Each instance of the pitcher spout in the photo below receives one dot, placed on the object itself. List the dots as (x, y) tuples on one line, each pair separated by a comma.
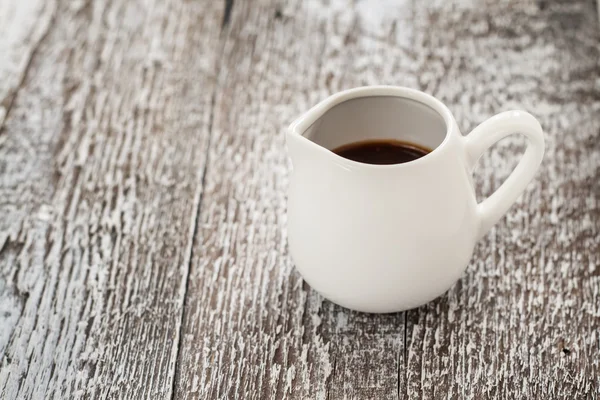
[(300, 137), (299, 147)]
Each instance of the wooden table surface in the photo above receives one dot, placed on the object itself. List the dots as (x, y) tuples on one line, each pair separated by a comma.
[(143, 180)]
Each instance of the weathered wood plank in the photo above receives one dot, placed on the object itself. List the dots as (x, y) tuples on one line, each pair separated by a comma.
[(102, 158), (101, 170), (523, 321), (22, 25)]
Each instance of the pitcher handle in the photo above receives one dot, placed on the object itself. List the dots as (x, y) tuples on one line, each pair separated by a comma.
[(487, 134)]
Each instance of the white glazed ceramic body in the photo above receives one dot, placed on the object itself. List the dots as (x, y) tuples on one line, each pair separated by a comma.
[(385, 238)]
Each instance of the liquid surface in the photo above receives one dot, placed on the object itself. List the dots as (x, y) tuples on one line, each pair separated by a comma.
[(382, 152)]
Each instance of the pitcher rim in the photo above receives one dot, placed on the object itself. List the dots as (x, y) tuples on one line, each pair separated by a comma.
[(302, 123)]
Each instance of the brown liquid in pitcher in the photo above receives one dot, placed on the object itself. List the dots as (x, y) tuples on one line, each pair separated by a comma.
[(382, 152)]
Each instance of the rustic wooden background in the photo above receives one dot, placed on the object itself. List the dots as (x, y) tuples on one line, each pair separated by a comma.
[(142, 200)]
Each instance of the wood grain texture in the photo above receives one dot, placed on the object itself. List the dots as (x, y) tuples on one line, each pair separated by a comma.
[(143, 176), (521, 323), (22, 26), (99, 197)]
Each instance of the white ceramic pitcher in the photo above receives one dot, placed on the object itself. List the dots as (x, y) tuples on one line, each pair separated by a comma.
[(384, 238)]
